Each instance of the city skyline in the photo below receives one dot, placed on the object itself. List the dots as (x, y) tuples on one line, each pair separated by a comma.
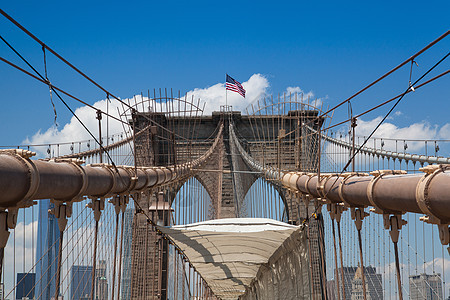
[(425, 287), (81, 281)]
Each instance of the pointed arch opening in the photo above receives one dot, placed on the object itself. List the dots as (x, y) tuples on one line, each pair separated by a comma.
[(192, 203), (263, 200)]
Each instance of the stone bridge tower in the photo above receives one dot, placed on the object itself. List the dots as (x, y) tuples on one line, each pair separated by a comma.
[(225, 176)]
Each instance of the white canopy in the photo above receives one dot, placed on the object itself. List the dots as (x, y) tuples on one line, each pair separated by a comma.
[(229, 252)]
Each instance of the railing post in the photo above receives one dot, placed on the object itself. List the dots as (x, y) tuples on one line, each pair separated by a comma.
[(99, 118), (353, 143)]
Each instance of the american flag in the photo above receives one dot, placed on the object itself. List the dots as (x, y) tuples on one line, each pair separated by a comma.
[(235, 86)]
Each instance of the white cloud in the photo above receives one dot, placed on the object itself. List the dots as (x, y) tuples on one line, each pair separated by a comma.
[(257, 86), (216, 95), (74, 131), (422, 130), (444, 132), (305, 97), (300, 93)]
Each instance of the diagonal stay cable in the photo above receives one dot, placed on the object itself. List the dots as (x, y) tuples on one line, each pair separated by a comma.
[(410, 59), (59, 89), (62, 100), (44, 46), (389, 100), (410, 87), (58, 56), (391, 71), (387, 115)]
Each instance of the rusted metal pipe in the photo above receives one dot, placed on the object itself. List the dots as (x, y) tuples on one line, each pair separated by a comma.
[(387, 191), (23, 179)]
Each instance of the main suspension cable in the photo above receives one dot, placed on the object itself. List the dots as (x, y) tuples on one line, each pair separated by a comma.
[(60, 98), (390, 111), (59, 56), (389, 72)]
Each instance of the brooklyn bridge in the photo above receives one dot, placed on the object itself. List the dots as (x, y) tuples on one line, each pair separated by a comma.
[(274, 202)]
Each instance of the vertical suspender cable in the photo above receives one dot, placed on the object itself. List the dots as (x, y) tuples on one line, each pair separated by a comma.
[(397, 267), (58, 270), (341, 259), (120, 257), (336, 272), (362, 264), (322, 257), (175, 273), (115, 255), (94, 261)]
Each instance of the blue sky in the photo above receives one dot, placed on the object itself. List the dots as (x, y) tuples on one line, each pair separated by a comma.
[(330, 48)]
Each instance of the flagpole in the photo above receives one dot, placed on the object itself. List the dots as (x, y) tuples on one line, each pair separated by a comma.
[(226, 93)]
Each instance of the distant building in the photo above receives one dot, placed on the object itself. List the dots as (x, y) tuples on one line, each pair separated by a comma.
[(2, 291), (46, 251), (101, 283), (81, 282), (358, 287), (373, 282), (126, 258), (425, 287), (331, 289), (25, 286)]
